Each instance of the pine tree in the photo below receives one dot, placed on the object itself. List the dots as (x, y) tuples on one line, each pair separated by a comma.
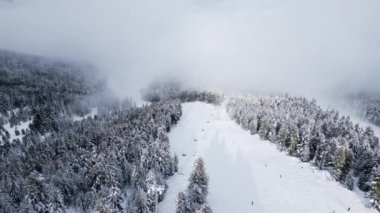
[(36, 198), (342, 164), (112, 197), (264, 128), (294, 140), (140, 202), (284, 136), (253, 126), (375, 192), (304, 149), (56, 202), (198, 186), (194, 198), (182, 203), (204, 209)]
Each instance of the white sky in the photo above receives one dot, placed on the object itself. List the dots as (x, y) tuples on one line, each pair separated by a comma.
[(301, 46)]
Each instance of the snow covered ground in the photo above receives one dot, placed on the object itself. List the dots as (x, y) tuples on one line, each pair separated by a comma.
[(21, 126), (242, 169)]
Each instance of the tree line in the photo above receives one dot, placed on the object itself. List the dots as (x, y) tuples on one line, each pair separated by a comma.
[(172, 90), (103, 164), (323, 137)]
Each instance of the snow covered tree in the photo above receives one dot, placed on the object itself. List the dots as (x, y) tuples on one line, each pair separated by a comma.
[(56, 201), (194, 198), (342, 164), (140, 202), (264, 127), (284, 136), (204, 209), (253, 126), (323, 137), (36, 199), (111, 196), (84, 163), (293, 140), (375, 192), (304, 148), (161, 90), (198, 187), (182, 203)]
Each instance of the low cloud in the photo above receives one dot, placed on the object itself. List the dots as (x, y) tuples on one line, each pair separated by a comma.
[(296, 46)]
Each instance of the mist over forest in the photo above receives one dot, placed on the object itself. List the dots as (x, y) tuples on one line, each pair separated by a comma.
[(301, 47), (189, 106)]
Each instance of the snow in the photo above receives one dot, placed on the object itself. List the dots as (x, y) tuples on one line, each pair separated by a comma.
[(156, 189), (242, 168), (94, 111), (11, 130)]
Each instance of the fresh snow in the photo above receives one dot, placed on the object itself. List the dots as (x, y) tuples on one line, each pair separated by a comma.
[(242, 168), (21, 126)]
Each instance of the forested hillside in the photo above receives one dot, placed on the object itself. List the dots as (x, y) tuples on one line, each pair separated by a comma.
[(325, 138), (366, 106), (68, 145), (42, 91), (116, 160)]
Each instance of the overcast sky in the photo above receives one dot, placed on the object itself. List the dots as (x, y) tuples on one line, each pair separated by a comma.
[(297, 46)]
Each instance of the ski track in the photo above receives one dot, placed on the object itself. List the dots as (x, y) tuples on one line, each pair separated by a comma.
[(242, 168)]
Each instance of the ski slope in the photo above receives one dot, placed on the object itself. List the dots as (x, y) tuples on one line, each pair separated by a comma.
[(242, 169)]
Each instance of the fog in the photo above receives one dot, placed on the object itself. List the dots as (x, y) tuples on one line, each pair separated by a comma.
[(297, 46)]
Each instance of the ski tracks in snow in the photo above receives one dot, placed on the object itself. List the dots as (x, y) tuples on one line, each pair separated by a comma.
[(244, 169)]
